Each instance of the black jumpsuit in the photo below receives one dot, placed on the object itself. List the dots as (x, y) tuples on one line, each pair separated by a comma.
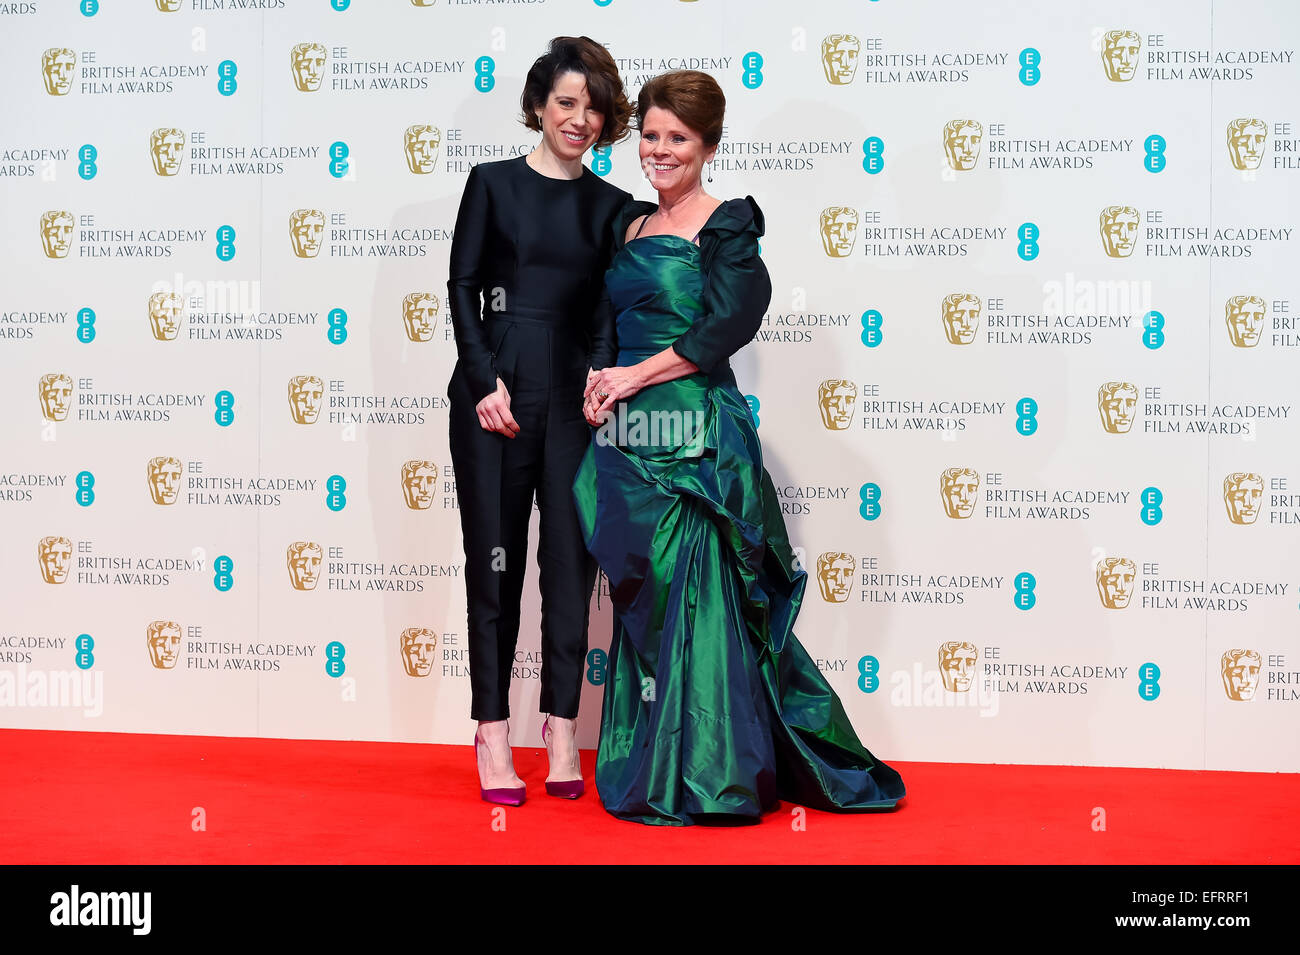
[(535, 249)]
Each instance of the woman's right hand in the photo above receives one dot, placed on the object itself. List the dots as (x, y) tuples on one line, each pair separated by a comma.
[(494, 412)]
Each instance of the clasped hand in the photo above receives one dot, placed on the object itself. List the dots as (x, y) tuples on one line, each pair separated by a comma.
[(604, 388)]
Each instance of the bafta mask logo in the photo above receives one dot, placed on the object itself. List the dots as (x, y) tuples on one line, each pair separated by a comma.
[(303, 559), (168, 6), (961, 317), (1240, 671), (164, 479), (839, 230), (1242, 492), (1246, 142), (835, 400), (1115, 577), (56, 233), (56, 396), (1245, 317), (1119, 229), (420, 313), (418, 644), (840, 58), (308, 62), (959, 489), (957, 664), (57, 67), (422, 144), (164, 637), (166, 309), (961, 143), (423, 3), (167, 147), (306, 226), (1119, 55), (305, 395), (55, 557), (419, 482), (835, 576), (1117, 405)]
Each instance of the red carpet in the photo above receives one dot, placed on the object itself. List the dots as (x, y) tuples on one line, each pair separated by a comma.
[(109, 798)]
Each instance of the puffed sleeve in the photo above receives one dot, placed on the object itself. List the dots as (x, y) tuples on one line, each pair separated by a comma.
[(737, 291), (465, 286)]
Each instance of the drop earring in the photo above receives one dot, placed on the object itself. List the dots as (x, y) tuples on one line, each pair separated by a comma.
[(710, 172)]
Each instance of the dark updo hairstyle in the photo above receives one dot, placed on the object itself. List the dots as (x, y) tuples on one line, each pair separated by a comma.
[(693, 97), (579, 54)]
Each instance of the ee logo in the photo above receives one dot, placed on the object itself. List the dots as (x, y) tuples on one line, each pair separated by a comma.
[(85, 657), (873, 154), (597, 667), (868, 674), (86, 157), (601, 164), (1153, 329), (224, 578), (334, 664), (1024, 598), (869, 494), (1155, 153), (85, 488), (1151, 501), (335, 499), (1148, 681), (86, 325), (752, 64), (1026, 416), (1028, 235), (226, 82), (484, 66), (754, 403), (872, 322), (338, 159), (226, 243), (1030, 74), (337, 333), (225, 402)]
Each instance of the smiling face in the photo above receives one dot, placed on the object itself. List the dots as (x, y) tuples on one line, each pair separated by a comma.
[(570, 123), (672, 154)]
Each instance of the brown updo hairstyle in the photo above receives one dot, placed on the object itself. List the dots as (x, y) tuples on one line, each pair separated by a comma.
[(579, 54), (693, 97)]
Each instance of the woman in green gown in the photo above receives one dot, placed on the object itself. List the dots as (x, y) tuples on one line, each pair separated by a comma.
[(713, 711)]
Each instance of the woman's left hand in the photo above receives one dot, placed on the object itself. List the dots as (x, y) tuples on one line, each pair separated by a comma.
[(607, 386)]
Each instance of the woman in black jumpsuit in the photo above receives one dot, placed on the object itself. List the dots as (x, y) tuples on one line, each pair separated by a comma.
[(531, 245)]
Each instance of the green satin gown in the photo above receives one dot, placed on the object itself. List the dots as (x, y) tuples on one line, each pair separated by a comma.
[(713, 711)]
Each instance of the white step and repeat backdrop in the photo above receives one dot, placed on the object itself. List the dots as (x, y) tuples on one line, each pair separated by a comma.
[(1027, 386)]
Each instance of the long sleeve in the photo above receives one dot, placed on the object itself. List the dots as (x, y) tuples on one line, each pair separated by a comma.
[(604, 329), (604, 341), (736, 295), (465, 286)]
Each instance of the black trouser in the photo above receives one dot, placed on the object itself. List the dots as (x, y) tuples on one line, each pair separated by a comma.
[(496, 477)]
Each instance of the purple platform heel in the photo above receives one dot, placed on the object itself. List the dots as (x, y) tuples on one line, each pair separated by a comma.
[(568, 789), (504, 797)]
